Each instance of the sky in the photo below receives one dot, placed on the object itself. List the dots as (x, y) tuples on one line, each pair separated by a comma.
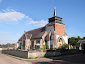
[(17, 16)]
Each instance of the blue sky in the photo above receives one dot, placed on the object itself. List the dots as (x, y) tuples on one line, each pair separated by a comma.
[(19, 15)]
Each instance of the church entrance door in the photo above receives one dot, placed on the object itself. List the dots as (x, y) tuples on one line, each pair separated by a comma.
[(60, 42)]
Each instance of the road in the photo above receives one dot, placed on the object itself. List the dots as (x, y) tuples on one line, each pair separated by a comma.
[(71, 59), (6, 59)]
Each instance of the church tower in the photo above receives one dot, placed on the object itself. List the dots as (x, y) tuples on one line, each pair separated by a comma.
[(55, 19), (57, 28)]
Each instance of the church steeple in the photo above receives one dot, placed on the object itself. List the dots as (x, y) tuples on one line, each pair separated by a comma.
[(54, 11), (55, 19)]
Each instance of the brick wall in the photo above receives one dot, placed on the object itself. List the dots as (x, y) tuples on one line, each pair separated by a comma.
[(59, 29)]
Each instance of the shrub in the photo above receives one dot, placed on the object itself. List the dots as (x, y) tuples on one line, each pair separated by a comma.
[(44, 48), (0, 51), (64, 46)]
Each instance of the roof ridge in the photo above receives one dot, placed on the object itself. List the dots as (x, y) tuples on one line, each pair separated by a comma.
[(35, 29), (80, 40)]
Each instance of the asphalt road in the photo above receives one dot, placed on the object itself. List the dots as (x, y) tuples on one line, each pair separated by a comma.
[(72, 59), (5, 59)]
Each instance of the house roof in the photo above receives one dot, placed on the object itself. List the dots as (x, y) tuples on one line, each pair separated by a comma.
[(81, 41), (7, 45), (36, 33)]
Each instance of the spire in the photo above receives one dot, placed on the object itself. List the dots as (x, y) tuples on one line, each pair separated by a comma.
[(55, 11)]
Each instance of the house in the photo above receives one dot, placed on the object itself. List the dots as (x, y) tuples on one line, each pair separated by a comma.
[(0, 48), (7, 46), (80, 45), (51, 35)]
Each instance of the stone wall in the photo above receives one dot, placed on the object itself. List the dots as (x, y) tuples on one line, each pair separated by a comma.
[(35, 53), (18, 53)]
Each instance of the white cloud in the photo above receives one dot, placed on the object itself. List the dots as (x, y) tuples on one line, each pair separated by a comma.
[(10, 15), (30, 21), (42, 23), (37, 23), (3, 32)]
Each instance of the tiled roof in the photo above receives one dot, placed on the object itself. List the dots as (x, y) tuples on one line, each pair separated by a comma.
[(36, 33)]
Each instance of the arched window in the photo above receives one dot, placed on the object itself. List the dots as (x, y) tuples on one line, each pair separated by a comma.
[(60, 40)]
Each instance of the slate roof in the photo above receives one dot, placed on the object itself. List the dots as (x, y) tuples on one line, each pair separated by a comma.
[(81, 41), (36, 33)]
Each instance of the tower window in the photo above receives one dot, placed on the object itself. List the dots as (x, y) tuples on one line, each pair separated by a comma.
[(60, 40)]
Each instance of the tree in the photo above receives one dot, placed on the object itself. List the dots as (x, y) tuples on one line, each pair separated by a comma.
[(79, 38), (73, 40), (83, 38), (64, 46)]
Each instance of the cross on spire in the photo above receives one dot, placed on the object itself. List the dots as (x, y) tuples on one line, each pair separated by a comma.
[(55, 11)]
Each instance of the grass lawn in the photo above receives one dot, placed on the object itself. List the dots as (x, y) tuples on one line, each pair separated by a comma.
[(0, 51)]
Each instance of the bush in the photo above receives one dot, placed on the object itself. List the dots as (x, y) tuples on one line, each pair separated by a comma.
[(64, 46), (0, 51), (44, 48)]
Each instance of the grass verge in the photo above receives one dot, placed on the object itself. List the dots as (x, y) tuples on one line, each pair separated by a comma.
[(36, 57), (0, 51)]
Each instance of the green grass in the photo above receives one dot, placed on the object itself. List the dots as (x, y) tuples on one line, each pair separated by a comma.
[(36, 57), (0, 51), (30, 58), (44, 48)]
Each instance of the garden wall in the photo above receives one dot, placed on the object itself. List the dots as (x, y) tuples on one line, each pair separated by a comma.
[(18, 53), (33, 54)]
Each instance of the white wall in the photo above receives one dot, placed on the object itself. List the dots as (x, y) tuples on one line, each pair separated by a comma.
[(0, 49), (18, 44), (65, 38)]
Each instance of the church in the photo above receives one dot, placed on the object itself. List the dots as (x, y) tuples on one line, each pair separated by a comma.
[(51, 36)]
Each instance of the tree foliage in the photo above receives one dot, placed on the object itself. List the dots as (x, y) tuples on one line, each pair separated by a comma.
[(74, 40), (64, 46)]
